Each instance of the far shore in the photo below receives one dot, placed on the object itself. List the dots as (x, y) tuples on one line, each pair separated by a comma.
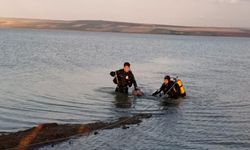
[(122, 27)]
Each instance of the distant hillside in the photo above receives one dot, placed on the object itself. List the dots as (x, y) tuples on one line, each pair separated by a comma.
[(123, 27)]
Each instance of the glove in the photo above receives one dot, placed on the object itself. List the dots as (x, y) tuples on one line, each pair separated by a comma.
[(112, 73), (154, 94)]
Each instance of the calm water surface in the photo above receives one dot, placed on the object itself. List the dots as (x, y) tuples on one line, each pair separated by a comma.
[(63, 76)]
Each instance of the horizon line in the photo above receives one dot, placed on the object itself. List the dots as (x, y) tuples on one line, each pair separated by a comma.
[(156, 24)]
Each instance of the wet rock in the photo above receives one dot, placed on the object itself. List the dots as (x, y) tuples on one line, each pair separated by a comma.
[(52, 133), (125, 127)]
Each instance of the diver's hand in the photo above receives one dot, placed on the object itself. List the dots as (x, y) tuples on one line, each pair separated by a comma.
[(137, 92), (155, 93), (136, 88), (112, 73)]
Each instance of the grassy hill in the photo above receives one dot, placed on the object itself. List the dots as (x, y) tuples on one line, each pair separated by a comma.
[(123, 27)]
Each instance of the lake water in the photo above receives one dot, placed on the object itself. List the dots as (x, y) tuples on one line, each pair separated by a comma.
[(63, 76)]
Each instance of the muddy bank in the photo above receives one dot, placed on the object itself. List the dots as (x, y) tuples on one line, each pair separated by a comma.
[(45, 134)]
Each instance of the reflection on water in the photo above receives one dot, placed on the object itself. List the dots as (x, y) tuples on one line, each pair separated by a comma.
[(123, 100), (168, 102), (63, 77)]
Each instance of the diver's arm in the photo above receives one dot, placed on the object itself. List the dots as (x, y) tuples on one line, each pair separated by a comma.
[(156, 92), (115, 74), (135, 85), (134, 81), (159, 91)]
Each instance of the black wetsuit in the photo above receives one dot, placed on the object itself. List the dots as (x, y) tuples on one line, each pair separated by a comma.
[(125, 80), (172, 89)]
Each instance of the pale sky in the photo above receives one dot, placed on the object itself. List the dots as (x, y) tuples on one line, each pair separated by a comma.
[(229, 13)]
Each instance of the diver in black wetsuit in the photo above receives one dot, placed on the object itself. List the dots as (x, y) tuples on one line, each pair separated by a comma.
[(169, 87), (124, 78)]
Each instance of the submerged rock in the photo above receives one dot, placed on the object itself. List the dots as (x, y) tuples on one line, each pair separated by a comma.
[(52, 133)]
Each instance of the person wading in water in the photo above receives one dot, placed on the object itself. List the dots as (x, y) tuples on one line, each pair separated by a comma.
[(124, 78), (174, 89)]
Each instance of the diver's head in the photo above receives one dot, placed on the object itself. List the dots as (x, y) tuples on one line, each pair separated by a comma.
[(166, 79), (126, 67)]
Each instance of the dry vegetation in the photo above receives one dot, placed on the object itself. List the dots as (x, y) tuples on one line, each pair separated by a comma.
[(123, 27)]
